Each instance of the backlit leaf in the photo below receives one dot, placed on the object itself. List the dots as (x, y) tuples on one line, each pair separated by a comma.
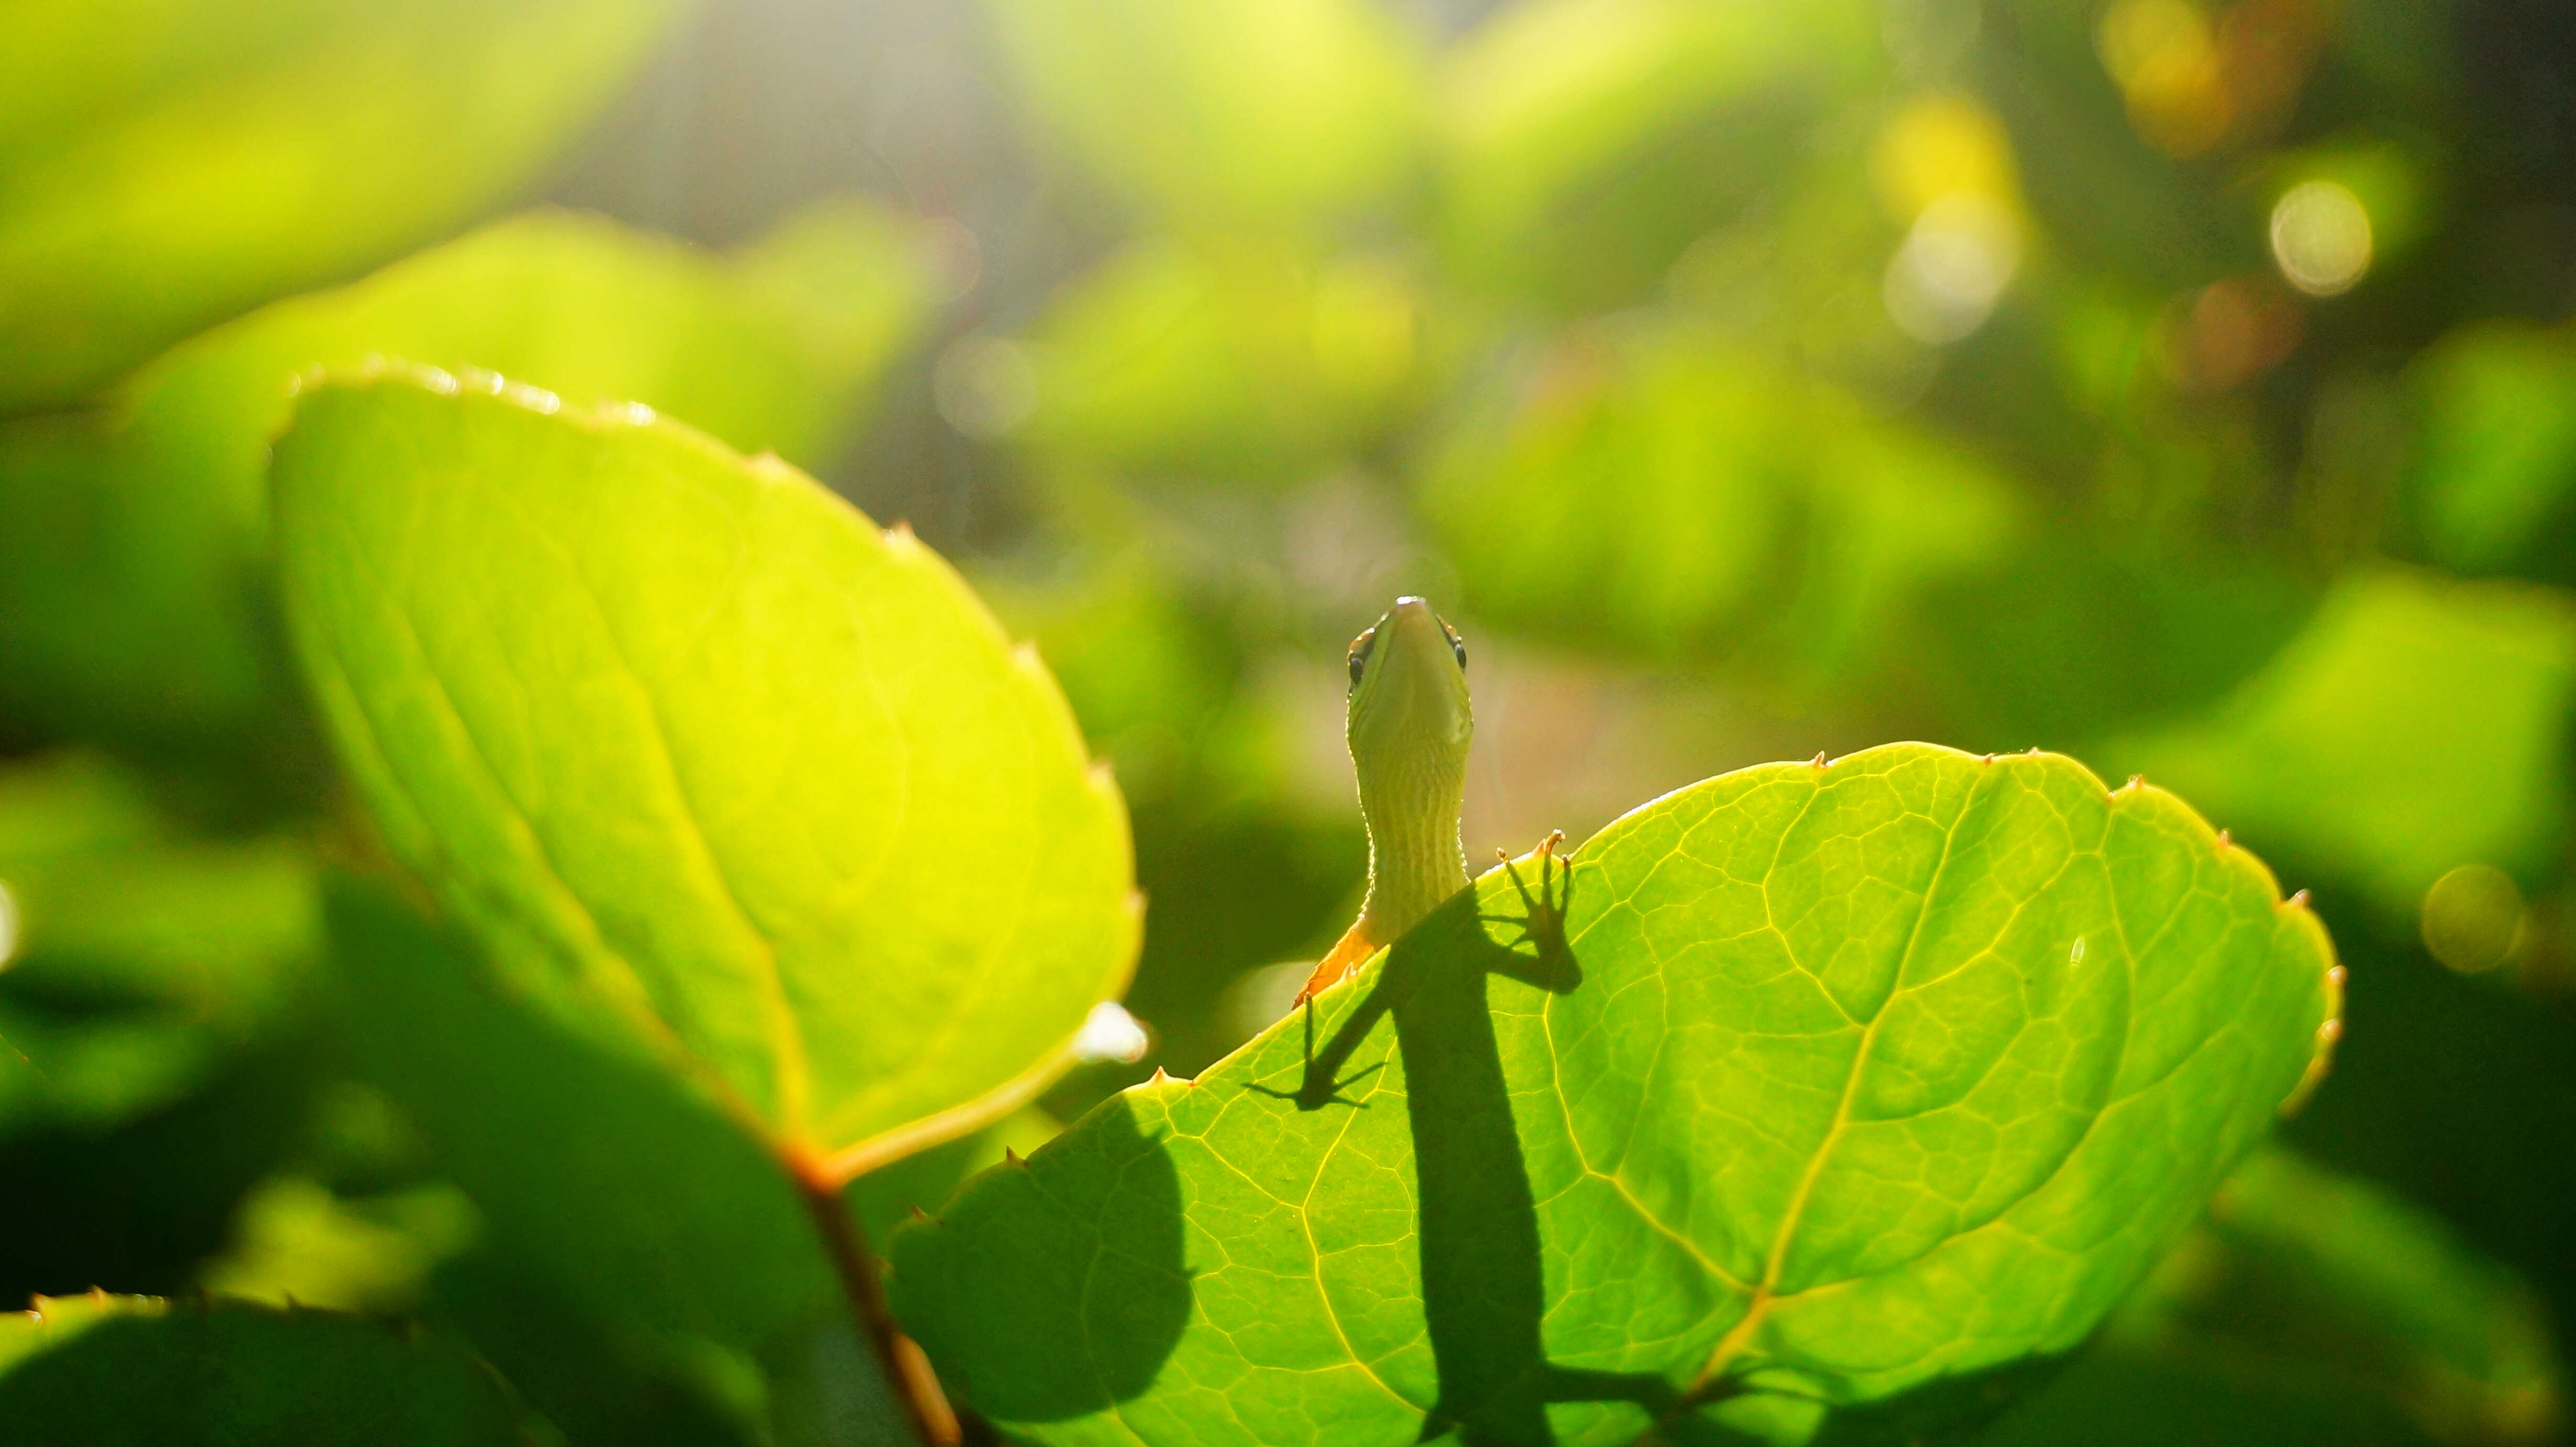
[(1847, 1085), (684, 739)]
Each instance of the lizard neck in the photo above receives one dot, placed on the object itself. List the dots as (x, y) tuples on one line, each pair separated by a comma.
[(1410, 804)]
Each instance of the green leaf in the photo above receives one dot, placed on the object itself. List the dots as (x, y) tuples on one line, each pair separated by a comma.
[(50, 1321), (1845, 1083), (1584, 143), (119, 1370), (169, 163), (694, 749), (2415, 724), (132, 558), (1223, 113)]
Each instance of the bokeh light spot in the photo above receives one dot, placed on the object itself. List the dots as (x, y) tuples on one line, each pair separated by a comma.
[(984, 386), (2169, 67), (1944, 281), (2321, 238), (2473, 918)]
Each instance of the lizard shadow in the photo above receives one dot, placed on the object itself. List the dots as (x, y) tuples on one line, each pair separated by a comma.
[(1483, 1286)]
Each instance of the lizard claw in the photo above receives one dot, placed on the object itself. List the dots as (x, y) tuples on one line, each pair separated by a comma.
[(1543, 913)]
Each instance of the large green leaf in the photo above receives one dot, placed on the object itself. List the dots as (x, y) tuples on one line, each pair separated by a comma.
[(686, 740), (132, 581), (170, 161), (129, 1370), (1846, 1081)]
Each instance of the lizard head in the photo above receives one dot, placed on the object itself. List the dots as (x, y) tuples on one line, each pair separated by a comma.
[(1409, 691)]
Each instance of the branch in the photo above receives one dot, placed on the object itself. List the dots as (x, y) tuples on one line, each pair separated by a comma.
[(907, 1372)]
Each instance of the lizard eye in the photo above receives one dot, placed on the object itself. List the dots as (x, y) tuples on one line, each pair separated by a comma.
[(1457, 645), (1360, 647)]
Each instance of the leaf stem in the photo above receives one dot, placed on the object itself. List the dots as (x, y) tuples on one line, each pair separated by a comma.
[(907, 1372)]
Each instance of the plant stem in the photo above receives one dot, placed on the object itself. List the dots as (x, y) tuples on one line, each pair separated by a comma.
[(907, 1372)]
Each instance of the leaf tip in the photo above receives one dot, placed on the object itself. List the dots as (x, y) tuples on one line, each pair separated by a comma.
[(2226, 841), (919, 1215), (1161, 1077), (1011, 1157), (1819, 760), (900, 535), (2295, 901)]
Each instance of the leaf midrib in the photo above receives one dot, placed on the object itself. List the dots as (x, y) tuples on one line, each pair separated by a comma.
[(1766, 1292)]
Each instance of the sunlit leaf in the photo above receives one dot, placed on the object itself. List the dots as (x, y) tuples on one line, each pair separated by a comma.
[(1221, 112), (1583, 143), (136, 1370), (169, 163), (1849, 1083), (2414, 724), (687, 741), (132, 583)]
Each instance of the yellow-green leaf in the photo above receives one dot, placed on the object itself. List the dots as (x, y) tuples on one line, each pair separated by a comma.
[(685, 739)]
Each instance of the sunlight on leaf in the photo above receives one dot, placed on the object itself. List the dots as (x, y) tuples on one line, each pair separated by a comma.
[(693, 747), (1850, 1084)]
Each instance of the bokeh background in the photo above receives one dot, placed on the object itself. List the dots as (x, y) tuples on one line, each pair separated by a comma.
[(2188, 387)]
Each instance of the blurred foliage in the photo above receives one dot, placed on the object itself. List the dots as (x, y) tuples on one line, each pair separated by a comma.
[(240, 1374), (2182, 384), (173, 161), (154, 501)]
